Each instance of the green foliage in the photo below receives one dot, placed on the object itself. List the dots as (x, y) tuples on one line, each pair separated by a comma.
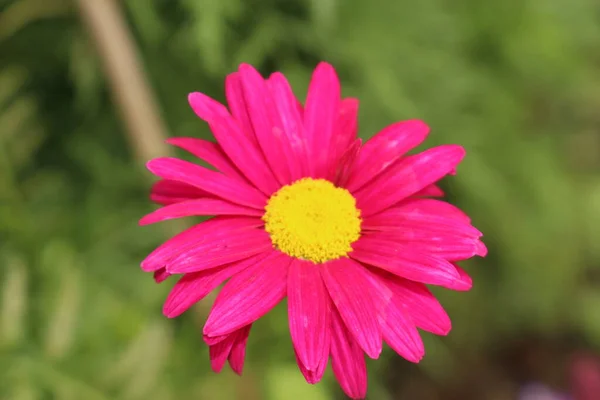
[(515, 82)]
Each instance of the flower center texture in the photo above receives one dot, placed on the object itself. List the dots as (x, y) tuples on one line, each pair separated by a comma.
[(313, 220)]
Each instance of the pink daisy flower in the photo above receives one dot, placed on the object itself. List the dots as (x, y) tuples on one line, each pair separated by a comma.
[(351, 234)]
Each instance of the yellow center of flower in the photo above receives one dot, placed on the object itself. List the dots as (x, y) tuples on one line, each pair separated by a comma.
[(312, 219)]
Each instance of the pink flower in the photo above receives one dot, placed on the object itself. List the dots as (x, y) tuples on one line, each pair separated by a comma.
[(349, 233)]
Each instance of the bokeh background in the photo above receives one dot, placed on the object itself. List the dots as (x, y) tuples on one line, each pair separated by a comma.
[(89, 90)]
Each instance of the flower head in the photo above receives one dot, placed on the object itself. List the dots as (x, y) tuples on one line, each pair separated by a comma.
[(351, 234)]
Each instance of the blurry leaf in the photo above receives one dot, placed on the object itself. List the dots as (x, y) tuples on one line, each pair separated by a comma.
[(324, 13), (62, 322), (11, 81), (147, 20), (141, 364), (14, 301), (210, 28), (590, 213), (85, 73), (23, 12), (587, 316), (261, 42)]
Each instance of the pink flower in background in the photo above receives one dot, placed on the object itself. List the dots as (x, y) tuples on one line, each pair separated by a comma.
[(538, 391), (349, 233)]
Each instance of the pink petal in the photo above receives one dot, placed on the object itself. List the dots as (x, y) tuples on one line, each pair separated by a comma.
[(214, 228), (237, 104), (347, 360), (450, 246), (384, 149), (405, 262), (465, 283), (348, 287), (210, 181), (300, 108), (398, 329), (432, 218), (167, 192), (220, 352), (210, 152), (430, 191), (424, 309), (212, 340), (238, 351), (312, 377), (434, 207), (407, 177), (215, 251), (308, 310), (345, 165), (240, 149), (232, 348), (206, 206), (249, 295), (400, 333), (320, 115), (193, 287), (481, 249), (291, 120), (160, 275), (267, 125), (345, 128)]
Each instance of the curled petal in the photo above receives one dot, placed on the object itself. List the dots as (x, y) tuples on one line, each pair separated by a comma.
[(430, 191), (238, 350), (219, 352), (167, 192), (160, 275), (347, 360), (315, 376), (232, 348)]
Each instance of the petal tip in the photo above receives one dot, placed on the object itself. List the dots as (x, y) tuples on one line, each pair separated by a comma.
[(418, 125), (325, 67), (245, 69), (481, 249)]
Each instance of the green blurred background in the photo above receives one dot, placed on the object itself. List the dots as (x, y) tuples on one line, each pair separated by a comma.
[(89, 90)]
